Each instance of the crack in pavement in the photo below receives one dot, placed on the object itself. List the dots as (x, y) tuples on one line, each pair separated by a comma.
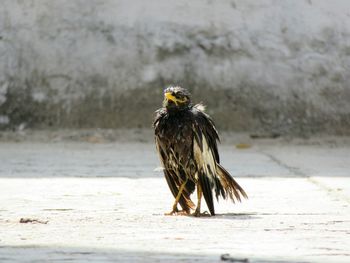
[(293, 170), (329, 190), (297, 172)]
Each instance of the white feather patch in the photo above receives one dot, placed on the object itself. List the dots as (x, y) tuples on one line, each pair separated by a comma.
[(200, 107), (205, 159), (159, 169)]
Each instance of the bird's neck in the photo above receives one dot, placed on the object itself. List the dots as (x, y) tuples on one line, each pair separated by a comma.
[(178, 111)]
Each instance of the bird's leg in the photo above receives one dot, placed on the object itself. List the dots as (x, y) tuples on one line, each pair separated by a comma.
[(197, 212), (175, 210)]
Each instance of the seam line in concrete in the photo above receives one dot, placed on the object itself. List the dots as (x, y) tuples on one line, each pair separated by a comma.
[(298, 172), (294, 170), (328, 189)]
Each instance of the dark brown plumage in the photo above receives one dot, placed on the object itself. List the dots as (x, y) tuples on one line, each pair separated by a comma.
[(186, 140)]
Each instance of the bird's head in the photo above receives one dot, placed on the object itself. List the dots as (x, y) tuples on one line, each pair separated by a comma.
[(176, 98)]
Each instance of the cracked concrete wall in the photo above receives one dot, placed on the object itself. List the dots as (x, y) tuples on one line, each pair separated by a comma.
[(260, 66)]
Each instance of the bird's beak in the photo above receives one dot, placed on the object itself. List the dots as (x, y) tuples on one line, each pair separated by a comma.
[(171, 97)]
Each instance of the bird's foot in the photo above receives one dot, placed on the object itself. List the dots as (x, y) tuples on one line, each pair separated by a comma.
[(172, 213), (176, 212), (197, 213)]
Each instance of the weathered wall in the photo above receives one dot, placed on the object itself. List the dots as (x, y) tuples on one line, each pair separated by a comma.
[(267, 65)]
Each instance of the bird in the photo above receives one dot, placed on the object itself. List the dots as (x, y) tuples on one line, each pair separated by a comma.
[(186, 141)]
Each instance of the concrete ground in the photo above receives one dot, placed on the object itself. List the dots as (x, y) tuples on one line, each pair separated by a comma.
[(94, 200)]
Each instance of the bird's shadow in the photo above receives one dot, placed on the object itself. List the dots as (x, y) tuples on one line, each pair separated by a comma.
[(231, 216), (238, 216)]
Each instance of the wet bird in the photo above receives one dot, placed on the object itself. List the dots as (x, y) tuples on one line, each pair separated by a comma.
[(186, 141)]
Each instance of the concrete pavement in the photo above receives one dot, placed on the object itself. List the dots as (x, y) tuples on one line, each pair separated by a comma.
[(104, 202)]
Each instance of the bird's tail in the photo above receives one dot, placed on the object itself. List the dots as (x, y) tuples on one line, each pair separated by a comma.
[(231, 188), (206, 187)]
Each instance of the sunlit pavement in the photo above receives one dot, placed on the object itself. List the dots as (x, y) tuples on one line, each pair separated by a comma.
[(105, 202)]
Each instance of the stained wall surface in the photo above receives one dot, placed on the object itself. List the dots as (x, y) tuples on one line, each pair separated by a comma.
[(266, 66)]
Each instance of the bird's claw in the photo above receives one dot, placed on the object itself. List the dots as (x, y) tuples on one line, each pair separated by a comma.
[(197, 213), (177, 213)]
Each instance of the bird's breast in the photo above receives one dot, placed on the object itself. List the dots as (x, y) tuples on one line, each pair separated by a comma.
[(178, 139)]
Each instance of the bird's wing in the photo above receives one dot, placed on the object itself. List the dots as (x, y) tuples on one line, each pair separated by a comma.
[(204, 126), (206, 155), (211, 175)]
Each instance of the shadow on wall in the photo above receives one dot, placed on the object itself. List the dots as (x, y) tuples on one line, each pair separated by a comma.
[(245, 108)]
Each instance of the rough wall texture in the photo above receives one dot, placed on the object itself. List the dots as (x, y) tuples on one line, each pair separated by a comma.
[(268, 65)]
